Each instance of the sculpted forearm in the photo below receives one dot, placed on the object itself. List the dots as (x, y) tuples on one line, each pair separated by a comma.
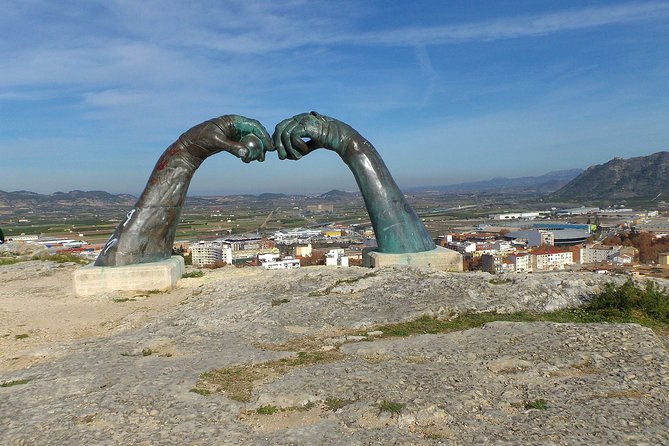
[(396, 226), (147, 232)]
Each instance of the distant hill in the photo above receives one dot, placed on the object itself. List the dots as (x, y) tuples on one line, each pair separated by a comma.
[(639, 177), (547, 183), (271, 196), (336, 194), (98, 199)]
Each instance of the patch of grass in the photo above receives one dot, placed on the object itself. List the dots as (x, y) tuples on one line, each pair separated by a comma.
[(539, 404), (500, 281), (203, 392), (148, 352), (124, 299), (391, 407), (237, 382), (21, 336), (334, 404), (9, 261), (65, 257), (192, 274), (267, 410), (154, 292), (646, 305), (16, 382), (277, 302)]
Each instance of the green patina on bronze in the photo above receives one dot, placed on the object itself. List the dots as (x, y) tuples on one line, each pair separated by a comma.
[(396, 226), (147, 232)]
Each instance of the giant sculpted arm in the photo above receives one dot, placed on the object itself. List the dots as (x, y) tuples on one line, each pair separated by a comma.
[(397, 227), (147, 232)]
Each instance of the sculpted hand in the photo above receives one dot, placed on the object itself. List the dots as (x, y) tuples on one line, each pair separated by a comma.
[(245, 138), (322, 132)]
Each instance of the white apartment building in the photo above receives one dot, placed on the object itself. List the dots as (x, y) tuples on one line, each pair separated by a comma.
[(551, 260), (208, 253), (22, 237), (296, 236), (286, 263), (522, 262), (594, 253), (336, 257)]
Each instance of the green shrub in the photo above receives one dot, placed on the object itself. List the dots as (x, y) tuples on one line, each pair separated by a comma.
[(391, 407), (629, 299), (192, 274)]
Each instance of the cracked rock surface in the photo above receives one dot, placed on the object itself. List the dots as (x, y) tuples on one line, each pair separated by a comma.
[(127, 377)]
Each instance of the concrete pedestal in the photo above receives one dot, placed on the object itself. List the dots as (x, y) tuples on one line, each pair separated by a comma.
[(439, 258), (91, 280)]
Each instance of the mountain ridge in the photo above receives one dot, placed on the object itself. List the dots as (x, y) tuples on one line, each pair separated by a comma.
[(620, 178)]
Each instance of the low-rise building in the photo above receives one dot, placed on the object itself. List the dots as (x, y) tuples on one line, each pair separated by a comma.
[(303, 250), (286, 263), (521, 262), (336, 257), (210, 252), (595, 253), (551, 260), (663, 259)]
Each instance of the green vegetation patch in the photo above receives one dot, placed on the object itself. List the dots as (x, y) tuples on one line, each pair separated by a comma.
[(334, 404), (192, 274), (539, 404), (267, 410), (647, 305), (64, 257), (9, 261), (237, 382), (391, 407), (203, 392), (500, 281), (21, 336), (277, 302), (16, 382), (124, 299)]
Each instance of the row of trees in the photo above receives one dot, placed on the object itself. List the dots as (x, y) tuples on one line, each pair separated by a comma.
[(648, 245)]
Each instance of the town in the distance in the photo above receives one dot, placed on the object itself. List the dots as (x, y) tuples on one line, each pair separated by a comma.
[(559, 221)]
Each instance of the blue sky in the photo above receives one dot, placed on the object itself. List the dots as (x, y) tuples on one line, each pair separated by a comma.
[(92, 92)]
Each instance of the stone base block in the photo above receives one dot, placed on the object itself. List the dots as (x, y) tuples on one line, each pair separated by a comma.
[(91, 280), (439, 258)]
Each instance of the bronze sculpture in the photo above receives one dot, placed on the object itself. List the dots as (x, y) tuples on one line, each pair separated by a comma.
[(396, 226), (148, 231)]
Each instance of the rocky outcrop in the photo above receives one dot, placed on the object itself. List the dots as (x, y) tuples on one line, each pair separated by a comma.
[(642, 176), (504, 383)]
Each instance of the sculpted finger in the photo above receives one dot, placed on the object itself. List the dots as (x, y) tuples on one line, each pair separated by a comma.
[(286, 140), (278, 144), (237, 148), (259, 130), (296, 140)]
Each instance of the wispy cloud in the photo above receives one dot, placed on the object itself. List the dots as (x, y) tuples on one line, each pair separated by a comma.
[(514, 27)]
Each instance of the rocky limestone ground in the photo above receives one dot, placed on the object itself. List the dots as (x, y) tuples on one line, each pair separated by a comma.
[(120, 368)]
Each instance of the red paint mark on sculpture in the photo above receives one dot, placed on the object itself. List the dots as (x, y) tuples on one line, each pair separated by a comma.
[(161, 165)]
